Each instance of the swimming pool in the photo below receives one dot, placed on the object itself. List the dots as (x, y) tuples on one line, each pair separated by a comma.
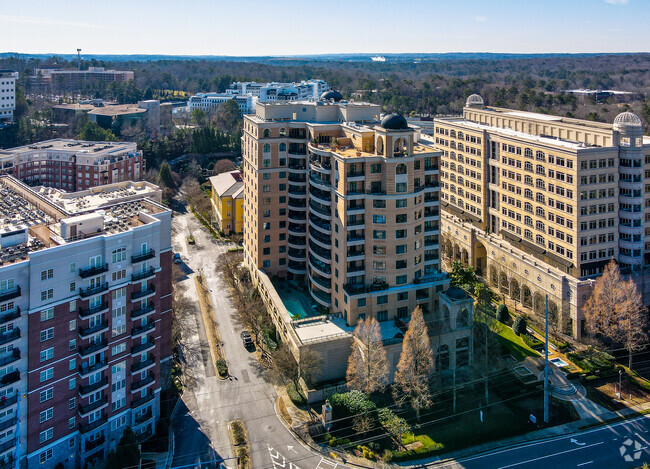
[(294, 307)]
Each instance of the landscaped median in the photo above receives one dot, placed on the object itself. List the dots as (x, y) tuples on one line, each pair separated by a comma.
[(240, 443), (211, 328)]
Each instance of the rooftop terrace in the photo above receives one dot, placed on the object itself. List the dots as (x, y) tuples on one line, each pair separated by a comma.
[(72, 146)]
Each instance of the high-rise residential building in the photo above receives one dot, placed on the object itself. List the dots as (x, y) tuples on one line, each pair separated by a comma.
[(7, 96), (539, 204), (345, 203), (47, 80), (85, 299), (73, 165)]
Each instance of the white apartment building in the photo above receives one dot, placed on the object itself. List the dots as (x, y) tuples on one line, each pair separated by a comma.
[(7, 96)]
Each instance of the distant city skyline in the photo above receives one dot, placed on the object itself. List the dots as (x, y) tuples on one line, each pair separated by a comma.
[(290, 27)]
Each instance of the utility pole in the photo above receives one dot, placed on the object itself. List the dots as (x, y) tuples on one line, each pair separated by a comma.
[(546, 367), (79, 57)]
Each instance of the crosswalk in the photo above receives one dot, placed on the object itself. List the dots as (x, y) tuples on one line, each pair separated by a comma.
[(280, 462)]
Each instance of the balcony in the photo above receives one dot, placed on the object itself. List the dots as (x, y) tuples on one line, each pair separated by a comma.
[(8, 423), (142, 311), (142, 401), (92, 348), (10, 378), (359, 288), (92, 426), (12, 357), (93, 270), (85, 312), (10, 315), (141, 329), (10, 293), (144, 435), (356, 174), (8, 401), (86, 409), (10, 336), (136, 367), (356, 268), (142, 293), (150, 272), (87, 389), (85, 292), (91, 445), (144, 417), (142, 347), (143, 256), (319, 182), (7, 446), (143, 382), (86, 331), (86, 369)]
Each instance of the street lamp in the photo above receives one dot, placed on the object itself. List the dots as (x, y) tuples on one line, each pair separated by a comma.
[(620, 375)]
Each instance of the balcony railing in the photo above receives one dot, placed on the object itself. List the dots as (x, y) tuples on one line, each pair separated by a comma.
[(8, 401), (93, 270), (4, 447), (141, 329), (142, 293), (10, 378), (86, 331), (142, 311), (10, 315), (143, 382), (142, 347), (86, 409), (8, 423), (87, 350), (85, 292), (143, 256), (9, 336), (143, 418), (91, 445), (86, 369), (91, 426), (140, 437), (356, 289), (12, 357), (142, 401), (84, 312), (83, 390), (150, 272), (140, 365), (10, 293)]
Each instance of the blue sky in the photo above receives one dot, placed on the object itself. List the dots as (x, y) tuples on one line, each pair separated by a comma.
[(286, 27)]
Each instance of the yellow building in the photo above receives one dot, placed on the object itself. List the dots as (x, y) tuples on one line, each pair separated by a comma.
[(228, 201)]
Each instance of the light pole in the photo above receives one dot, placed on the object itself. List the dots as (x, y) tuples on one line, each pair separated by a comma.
[(620, 375)]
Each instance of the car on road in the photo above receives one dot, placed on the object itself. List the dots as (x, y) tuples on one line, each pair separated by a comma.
[(246, 339), (177, 258)]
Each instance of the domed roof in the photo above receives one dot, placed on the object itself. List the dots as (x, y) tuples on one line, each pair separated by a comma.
[(331, 94), (394, 121), (474, 100), (628, 118), (456, 293)]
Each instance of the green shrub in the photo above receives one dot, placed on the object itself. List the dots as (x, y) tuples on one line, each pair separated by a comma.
[(519, 326), (351, 403), (295, 395), (503, 315), (238, 433), (222, 368), (532, 341)]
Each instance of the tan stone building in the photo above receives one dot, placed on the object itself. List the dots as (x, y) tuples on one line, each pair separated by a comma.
[(539, 204), (344, 203)]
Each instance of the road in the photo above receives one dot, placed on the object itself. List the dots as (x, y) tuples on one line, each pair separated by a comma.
[(620, 445), (201, 432)]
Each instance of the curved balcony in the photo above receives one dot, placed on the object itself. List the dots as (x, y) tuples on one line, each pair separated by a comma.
[(631, 199), (297, 217), (318, 224), (297, 229), (623, 214), (321, 254), (321, 209), (321, 184), (297, 179), (297, 204), (297, 255), (321, 297), (631, 260), (297, 268), (319, 240), (631, 185), (321, 267), (324, 168), (323, 284), (318, 198), (297, 242), (325, 151), (297, 191)]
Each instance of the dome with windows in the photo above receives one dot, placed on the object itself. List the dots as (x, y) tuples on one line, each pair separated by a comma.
[(474, 100), (394, 121), (628, 118), (331, 94)]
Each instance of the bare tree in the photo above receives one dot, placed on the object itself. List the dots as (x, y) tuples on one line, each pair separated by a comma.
[(615, 310), (197, 199), (367, 365), (414, 366), (287, 369), (223, 166)]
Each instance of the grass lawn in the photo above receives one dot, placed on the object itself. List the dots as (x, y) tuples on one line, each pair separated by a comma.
[(514, 345)]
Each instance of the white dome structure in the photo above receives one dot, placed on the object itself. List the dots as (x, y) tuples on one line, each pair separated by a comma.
[(628, 118), (474, 100)]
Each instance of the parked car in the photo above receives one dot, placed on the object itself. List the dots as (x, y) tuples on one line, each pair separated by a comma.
[(246, 339), (177, 258)]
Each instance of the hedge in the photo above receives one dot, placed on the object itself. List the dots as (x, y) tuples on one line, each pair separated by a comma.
[(295, 395)]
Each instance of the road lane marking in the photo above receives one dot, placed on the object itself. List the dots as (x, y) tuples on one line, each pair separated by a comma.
[(551, 455), (326, 464), (585, 463)]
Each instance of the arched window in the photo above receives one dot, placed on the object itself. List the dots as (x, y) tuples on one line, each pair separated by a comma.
[(283, 146), (267, 133), (380, 146), (528, 207), (528, 153), (540, 170), (401, 169), (528, 166), (540, 212), (452, 188), (461, 192), (452, 166), (528, 180), (452, 155), (452, 134), (540, 226), (528, 194), (540, 198), (462, 319), (528, 221), (460, 203), (461, 159), (540, 184), (539, 239), (452, 145), (283, 132), (461, 147), (539, 156), (460, 181), (266, 148), (528, 234), (461, 136), (453, 177), (452, 199), (461, 170)]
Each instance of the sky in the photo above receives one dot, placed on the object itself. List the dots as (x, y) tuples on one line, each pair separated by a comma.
[(289, 27)]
